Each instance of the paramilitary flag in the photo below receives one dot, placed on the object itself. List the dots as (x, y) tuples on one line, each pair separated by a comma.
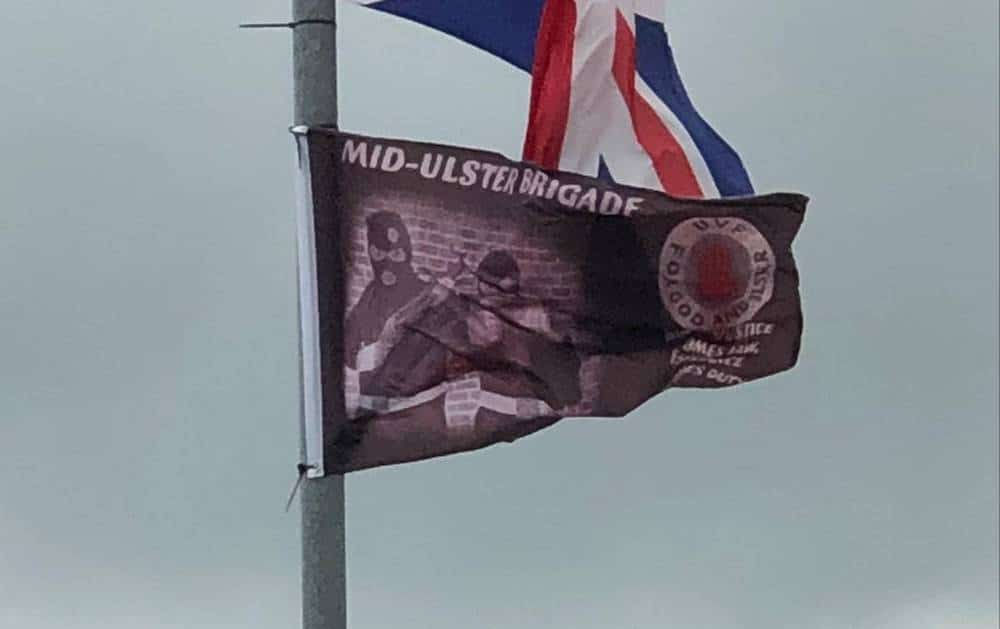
[(452, 299), (606, 95)]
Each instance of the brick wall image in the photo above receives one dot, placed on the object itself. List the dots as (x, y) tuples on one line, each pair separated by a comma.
[(437, 240)]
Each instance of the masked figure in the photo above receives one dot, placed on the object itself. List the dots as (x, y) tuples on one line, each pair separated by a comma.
[(395, 283), (524, 364), (523, 372)]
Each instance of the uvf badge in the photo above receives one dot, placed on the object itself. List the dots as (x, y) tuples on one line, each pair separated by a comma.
[(715, 273)]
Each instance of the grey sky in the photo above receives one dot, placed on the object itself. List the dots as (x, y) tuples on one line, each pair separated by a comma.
[(147, 339)]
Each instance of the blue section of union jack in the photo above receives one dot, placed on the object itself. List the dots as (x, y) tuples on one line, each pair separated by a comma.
[(606, 93)]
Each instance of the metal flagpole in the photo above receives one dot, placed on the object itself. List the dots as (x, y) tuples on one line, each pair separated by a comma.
[(324, 582)]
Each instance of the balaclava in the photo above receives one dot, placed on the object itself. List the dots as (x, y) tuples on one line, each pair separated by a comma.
[(389, 248)]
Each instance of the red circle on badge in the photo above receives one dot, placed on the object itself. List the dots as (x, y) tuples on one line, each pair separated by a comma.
[(719, 271)]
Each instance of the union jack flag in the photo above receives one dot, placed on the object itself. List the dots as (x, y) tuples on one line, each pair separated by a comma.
[(606, 96)]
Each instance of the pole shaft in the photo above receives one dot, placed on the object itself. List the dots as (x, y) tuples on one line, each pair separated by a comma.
[(315, 62), (324, 582)]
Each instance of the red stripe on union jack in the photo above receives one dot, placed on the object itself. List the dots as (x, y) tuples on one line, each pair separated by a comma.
[(669, 160), (549, 112)]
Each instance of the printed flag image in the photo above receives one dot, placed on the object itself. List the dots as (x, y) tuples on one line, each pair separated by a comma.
[(453, 299), (606, 98)]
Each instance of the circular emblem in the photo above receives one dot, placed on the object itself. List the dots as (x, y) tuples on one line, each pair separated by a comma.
[(715, 273)]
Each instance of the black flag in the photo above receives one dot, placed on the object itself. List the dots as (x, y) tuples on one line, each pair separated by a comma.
[(452, 299)]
